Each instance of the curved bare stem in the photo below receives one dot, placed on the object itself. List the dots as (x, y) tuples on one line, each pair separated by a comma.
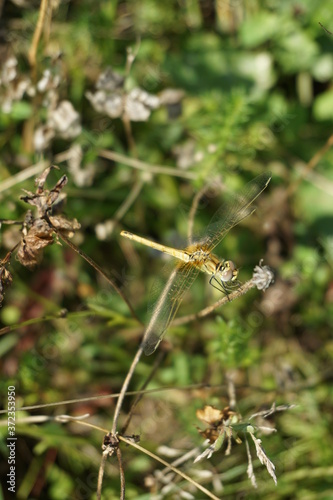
[(142, 391), (37, 34), (23, 175), (124, 389), (132, 196), (224, 300), (122, 474), (312, 163), (101, 474), (146, 167)]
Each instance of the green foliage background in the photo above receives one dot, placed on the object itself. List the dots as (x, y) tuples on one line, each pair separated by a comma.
[(257, 78)]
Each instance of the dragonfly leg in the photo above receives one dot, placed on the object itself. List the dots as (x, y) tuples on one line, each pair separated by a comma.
[(219, 285)]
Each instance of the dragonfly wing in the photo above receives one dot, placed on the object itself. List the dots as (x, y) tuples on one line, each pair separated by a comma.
[(234, 210), (166, 296)]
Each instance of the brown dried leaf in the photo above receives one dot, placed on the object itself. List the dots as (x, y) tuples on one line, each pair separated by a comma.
[(68, 227), (38, 233), (261, 454), (39, 236), (5, 277), (211, 434), (210, 415)]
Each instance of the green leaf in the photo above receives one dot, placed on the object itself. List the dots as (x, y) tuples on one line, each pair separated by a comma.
[(323, 106), (21, 110), (259, 29)]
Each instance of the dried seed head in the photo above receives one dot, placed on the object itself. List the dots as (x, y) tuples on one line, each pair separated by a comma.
[(263, 276)]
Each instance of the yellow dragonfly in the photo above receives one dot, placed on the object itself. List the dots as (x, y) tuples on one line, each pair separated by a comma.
[(198, 257)]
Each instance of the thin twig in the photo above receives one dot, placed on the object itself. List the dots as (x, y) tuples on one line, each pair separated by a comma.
[(23, 175), (33, 321), (122, 474), (100, 270), (169, 466), (125, 206), (131, 56), (8, 255), (37, 34), (146, 167), (224, 300), (325, 29), (124, 387), (231, 389), (116, 395), (129, 135), (142, 391), (312, 163), (101, 474)]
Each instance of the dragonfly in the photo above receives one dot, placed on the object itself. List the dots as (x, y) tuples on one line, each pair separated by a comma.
[(198, 257)]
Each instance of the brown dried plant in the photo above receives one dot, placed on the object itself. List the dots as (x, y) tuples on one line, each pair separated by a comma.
[(38, 232)]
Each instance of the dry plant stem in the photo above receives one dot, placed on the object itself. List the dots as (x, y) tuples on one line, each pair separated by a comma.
[(10, 222), (124, 389), (231, 390), (224, 300), (311, 165), (122, 475), (140, 165), (37, 34), (100, 475), (184, 458), (241, 291), (142, 391), (123, 209), (311, 383), (128, 130), (325, 29), (9, 254), (23, 175), (131, 56), (180, 473), (116, 395), (34, 321), (100, 270)]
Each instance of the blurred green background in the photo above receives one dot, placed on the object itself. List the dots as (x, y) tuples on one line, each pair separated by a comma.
[(256, 87)]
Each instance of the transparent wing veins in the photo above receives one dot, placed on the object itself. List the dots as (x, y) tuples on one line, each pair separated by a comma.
[(233, 211), (165, 308)]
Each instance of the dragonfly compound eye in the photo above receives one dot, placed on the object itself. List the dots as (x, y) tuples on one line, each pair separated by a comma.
[(228, 271)]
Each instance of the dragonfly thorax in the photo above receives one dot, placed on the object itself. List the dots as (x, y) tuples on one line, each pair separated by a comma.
[(207, 262)]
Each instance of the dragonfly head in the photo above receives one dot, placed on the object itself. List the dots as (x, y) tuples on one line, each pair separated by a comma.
[(228, 271)]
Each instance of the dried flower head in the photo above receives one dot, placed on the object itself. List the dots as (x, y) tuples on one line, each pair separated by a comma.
[(12, 85), (5, 276), (38, 232), (65, 121), (112, 99), (217, 419), (226, 424), (263, 276)]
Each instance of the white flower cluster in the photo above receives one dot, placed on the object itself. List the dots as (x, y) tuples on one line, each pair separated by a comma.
[(62, 120), (12, 85), (112, 99)]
